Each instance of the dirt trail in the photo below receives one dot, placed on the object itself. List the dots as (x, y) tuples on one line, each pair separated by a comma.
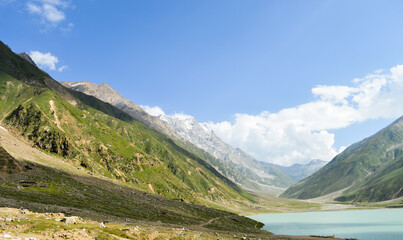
[(53, 109), (151, 187), (138, 155), (209, 221)]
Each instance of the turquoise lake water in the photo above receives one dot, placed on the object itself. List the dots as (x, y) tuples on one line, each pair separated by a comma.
[(379, 224)]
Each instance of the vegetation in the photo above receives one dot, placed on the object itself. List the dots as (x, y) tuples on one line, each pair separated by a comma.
[(370, 170), (122, 150), (88, 133), (100, 199)]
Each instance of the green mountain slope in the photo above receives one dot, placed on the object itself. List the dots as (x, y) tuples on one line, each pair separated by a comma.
[(101, 138), (42, 188), (369, 170), (383, 185)]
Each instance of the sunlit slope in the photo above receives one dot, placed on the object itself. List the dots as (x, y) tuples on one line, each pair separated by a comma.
[(103, 140), (369, 170), (54, 190)]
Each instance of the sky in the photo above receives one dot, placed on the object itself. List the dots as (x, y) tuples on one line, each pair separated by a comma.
[(286, 81)]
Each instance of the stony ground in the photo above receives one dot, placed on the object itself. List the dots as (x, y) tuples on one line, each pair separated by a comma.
[(27, 225)]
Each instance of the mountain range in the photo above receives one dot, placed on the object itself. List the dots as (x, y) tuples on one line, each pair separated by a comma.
[(93, 154), (368, 171), (233, 163), (300, 171)]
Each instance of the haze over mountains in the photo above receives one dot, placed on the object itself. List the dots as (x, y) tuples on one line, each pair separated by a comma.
[(233, 163), (299, 171)]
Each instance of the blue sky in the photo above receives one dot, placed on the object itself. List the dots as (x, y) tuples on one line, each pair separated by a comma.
[(228, 63)]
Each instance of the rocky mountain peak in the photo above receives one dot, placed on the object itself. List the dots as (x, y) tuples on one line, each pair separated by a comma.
[(26, 56)]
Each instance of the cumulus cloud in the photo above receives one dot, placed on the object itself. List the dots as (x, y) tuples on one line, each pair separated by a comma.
[(153, 111), (301, 133), (50, 12), (46, 60)]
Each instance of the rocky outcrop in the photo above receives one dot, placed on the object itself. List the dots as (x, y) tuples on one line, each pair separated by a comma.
[(27, 57)]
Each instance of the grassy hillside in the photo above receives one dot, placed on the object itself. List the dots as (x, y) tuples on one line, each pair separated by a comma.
[(370, 167), (122, 150), (383, 185), (103, 139), (42, 188)]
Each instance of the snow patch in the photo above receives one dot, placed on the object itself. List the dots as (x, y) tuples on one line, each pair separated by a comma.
[(205, 128), (76, 84)]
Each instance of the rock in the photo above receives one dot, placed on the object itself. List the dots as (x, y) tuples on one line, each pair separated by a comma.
[(70, 220), (102, 225), (7, 236)]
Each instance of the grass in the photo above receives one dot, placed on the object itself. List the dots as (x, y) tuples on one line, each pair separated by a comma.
[(118, 149), (91, 197), (48, 226)]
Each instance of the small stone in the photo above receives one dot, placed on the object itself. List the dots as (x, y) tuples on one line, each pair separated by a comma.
[(7, 236)]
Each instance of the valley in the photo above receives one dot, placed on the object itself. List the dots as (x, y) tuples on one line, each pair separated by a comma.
[(185, 120), (193, 136), (67, 152)]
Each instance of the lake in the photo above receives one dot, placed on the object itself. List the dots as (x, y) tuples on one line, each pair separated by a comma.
[(378, 224)]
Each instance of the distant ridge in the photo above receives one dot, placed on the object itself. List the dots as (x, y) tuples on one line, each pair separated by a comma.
[(300, 171)]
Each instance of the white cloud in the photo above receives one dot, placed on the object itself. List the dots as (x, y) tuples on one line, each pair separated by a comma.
[(336, 94), (62, 68), (50, 12), (153, 111), (46, 60), (301, 133), (35, 9), (182, 116)]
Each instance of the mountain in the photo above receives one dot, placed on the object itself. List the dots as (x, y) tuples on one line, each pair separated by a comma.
[(100, 138), (300, 171), (198, 139), (370, 170), (107, 94), (27, 57), (46, 183), (261, 177)]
